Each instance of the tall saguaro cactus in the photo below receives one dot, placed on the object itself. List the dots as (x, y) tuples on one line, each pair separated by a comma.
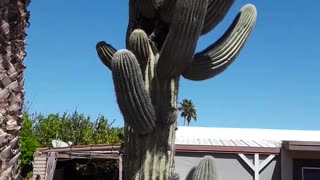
[(160, 46)]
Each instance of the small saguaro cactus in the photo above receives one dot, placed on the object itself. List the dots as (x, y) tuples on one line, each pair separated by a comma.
[(206, 169), (160, 48)]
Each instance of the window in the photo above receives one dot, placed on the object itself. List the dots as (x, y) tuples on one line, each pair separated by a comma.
[(310, 173)]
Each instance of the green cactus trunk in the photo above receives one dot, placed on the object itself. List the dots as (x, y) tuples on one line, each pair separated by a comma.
[(149, 106), (161, 39), (154, 149), (151, 156), (144, 152)]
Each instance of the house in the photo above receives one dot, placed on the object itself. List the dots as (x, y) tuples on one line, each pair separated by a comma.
[(250, 154), (242, 154)]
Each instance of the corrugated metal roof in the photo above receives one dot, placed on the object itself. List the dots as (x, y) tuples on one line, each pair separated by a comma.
[(243, 137)]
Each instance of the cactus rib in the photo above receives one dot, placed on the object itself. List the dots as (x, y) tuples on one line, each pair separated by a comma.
[(206, 169), (133, 16), (166, 10), (179, 46), (217, 57), (148, 8), (166, 102), (217, 9), (105, 52), (137, 20), (139, 45), (132, 97)]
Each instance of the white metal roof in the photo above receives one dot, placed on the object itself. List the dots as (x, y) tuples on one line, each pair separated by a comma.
[(241, 136)]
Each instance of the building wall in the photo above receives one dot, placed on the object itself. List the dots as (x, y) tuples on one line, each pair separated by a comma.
[(229, 166)]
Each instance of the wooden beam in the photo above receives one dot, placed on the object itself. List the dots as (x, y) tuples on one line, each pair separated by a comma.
[(114, 148), (304, 154), (309, 146), (303, 148), (226, 149), (178, 148), (304, 143), (68, 156)]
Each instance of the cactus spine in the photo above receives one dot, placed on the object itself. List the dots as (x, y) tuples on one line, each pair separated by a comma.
[(160, 44), (206, 169)]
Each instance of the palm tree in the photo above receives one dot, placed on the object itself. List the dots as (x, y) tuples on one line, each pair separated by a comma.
[(188, 111), (14, 18)]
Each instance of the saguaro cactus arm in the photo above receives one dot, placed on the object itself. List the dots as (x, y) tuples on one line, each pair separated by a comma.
[(133, 99), (148, 8), (206, 169), (217, 9), (140, 47), (179, 46), (141, 16), (166, 10), (216, 58), (105, 52)]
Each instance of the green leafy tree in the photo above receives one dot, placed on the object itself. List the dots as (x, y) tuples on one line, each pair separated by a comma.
[(29, 144), (40, 130), (188, 111), (105, 133), (76, 128), (47, 128)]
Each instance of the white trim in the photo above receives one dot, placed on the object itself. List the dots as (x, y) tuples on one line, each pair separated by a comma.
[(266, 162), (247, 161), (256, 166)]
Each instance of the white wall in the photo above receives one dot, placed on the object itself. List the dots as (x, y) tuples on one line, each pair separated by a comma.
[(229, 167)]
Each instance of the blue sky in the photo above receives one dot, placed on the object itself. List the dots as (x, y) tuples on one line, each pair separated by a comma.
[(272, 84)]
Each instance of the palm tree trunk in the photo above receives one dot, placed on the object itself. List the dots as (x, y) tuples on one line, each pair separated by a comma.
[(184, 121), (13, 21)]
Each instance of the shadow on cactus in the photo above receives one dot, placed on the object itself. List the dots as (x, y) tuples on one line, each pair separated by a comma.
[(160, 48), (190, 174)]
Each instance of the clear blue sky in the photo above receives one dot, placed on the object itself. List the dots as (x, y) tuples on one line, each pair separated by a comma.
[(274, 83)]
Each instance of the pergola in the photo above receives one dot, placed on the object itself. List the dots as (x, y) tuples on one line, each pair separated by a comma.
[(45, 159)]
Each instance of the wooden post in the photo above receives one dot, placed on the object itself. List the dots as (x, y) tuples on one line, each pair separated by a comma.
[(256, 166), (120, 167), (51, 165)]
